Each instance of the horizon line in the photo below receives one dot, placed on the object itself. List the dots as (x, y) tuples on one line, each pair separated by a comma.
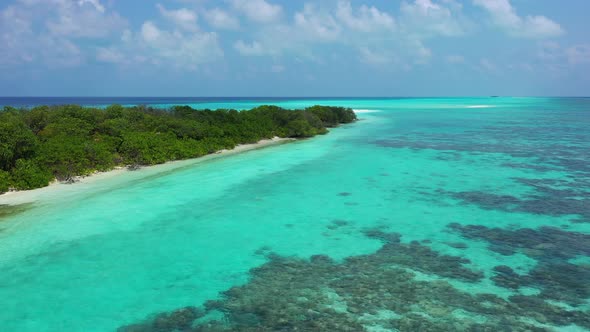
[(316, 97)]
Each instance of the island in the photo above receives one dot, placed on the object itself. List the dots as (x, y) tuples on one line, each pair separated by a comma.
[(59, 143)]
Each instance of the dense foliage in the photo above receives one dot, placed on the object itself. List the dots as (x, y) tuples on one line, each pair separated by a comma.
[(59, 142)]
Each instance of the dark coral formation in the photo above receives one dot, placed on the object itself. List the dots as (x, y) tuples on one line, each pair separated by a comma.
[(548, 145), (553, 147), (504, 276), (177, 320), (545, 243), (421, 258), (555, 277), (337, 223), (457, 245), (564, 282), (368, 291), (546, 201)]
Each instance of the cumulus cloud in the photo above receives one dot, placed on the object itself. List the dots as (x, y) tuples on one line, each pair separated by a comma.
[(372, 57), (368, 30), (258, 10), (150, 32), (367, 19), (96, 3), (159, 46), (184, 45), (176, 37), (312, 22), (16, 27), (46, 31), (183, 18), (221, 19), (427, 18), (82, 19), (109, 55), (504, 16), (59, 52)]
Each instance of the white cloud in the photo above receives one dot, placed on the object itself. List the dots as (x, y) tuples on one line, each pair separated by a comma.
[(183, 45), (372, 57), (175, 38), (150, 32), (174, 47), (367, 19), (183, 18), (426, 18), (16, 27), (221, 19), (312, 22), (258, 10), (504, 16), (109, 55), (252, 49), (59, 52), (45, 31), (82, 19), (419, 53), (96, 3), (370, 31), (560, 59)]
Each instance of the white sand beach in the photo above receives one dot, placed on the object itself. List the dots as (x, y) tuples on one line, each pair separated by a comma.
[(28, 196)]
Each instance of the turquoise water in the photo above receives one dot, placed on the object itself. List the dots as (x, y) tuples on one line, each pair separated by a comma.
[(428, 214)]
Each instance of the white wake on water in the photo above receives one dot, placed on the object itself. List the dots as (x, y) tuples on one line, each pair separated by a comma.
[(366, 111), (480, 106)]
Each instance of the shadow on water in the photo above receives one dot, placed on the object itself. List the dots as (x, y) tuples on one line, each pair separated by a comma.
[(7, 211)]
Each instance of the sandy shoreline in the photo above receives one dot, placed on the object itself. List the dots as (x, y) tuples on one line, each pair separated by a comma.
[(28, 196)]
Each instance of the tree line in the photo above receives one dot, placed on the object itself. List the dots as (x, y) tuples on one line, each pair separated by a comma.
[(45, 143)]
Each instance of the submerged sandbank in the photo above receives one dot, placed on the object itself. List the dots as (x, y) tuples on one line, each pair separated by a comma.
[(29, 196)]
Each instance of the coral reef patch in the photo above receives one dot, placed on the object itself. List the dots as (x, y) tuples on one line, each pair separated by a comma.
[(374, 292), (554, 275), (545, 201)]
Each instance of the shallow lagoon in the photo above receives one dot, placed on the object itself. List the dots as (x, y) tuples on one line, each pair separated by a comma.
[(429, 214)]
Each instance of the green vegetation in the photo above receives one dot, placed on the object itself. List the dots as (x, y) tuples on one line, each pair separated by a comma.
[(60, 142)]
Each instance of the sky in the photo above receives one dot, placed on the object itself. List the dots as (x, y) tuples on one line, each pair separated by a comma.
[(294, 48)]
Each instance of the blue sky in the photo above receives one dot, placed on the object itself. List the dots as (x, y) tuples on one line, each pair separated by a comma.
[(294, 48)]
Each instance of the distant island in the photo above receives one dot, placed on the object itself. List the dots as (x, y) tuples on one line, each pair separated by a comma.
[(47, 143)]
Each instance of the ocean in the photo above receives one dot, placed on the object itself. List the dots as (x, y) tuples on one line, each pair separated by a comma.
[(428, 214)]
